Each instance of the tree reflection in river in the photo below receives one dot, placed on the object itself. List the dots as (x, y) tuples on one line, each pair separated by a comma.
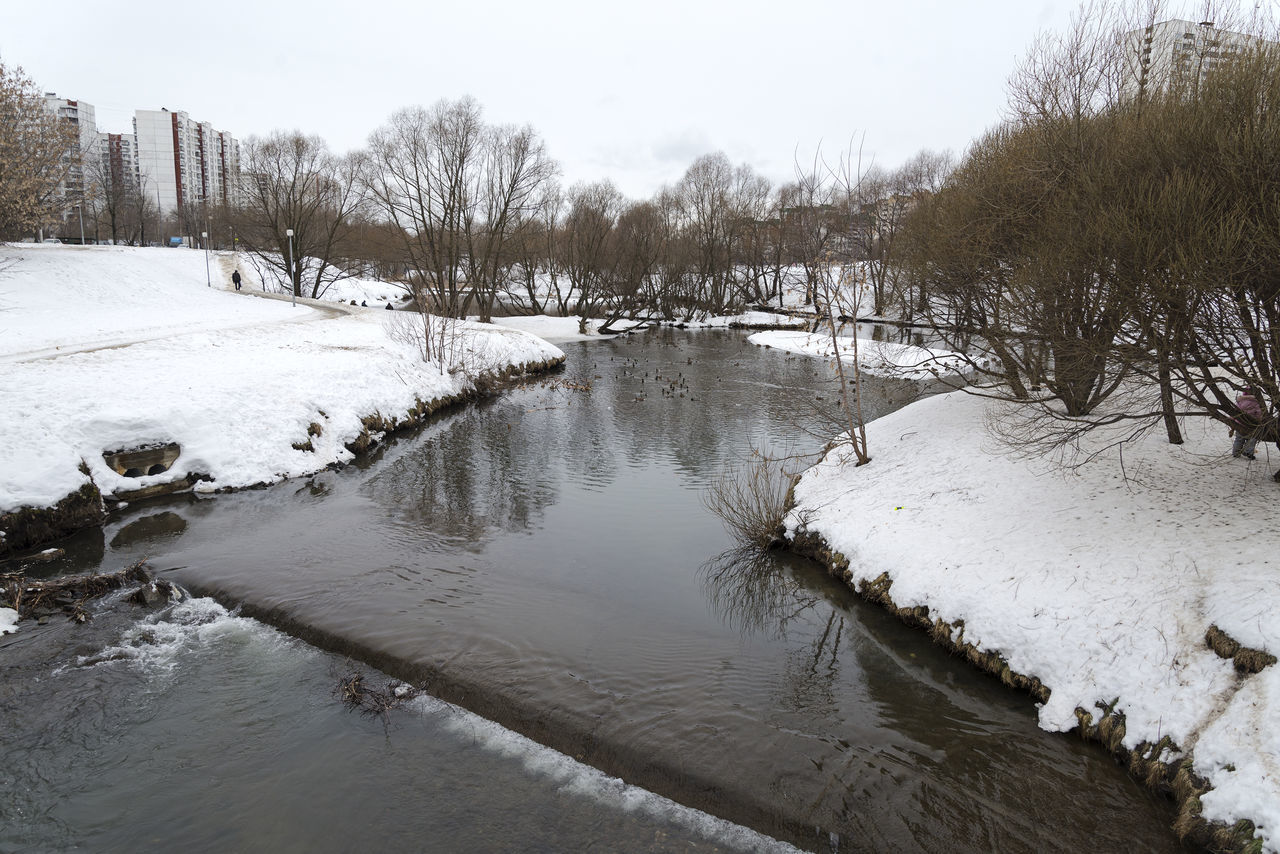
[(748, 589), (869, 694), (474, 479)]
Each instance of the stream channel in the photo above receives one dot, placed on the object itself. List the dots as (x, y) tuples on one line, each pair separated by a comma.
[(543, 564)]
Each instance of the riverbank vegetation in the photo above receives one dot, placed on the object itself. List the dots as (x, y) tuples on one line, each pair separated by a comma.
[(750, 498), (1113, 243)]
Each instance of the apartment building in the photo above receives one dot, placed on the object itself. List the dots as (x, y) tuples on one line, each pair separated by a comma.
[(184, 162), (83, 149), (1177, 52), (119, 158)]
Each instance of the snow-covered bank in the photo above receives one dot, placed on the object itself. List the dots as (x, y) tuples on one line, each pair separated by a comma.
[(1100, 582), (882, 358), (555, 330), (110, 348)]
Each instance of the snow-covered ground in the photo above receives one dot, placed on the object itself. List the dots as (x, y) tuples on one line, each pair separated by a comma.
[(110, 348), (557, 330), (882, 358), (1100, 581)]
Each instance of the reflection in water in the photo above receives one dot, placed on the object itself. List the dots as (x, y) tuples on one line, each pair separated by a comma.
[(750, 590), (546, 557), (472, 481), (85, 547), (165, 523), (899, 756)]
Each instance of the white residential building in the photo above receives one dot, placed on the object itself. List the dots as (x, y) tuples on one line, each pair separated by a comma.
[(183, 162), (1179, 52), (83, 150)]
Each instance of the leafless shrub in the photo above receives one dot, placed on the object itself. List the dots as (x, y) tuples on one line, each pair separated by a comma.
[(435, 338), (750, 497)]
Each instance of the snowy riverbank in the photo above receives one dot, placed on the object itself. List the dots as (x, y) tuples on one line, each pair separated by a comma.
[(112, 348), (1101, 582), (881, 358)]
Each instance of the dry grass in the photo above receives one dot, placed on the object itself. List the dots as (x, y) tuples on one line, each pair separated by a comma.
[(1245, 659)]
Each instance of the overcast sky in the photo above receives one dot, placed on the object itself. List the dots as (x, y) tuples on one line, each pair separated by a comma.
[(633, 93)]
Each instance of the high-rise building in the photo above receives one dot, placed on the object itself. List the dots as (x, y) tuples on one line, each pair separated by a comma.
[(183, 162), (119, 158), (1179, 52), (83, 149)]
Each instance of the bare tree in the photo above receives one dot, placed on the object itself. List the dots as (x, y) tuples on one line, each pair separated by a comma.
[(292, 181), (515, 171), (113, 189), (35, 148), (534, 284), (810, 221), (423, 173), (587, 255)]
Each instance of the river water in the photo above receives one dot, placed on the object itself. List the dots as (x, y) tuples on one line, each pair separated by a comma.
[(543, 564)]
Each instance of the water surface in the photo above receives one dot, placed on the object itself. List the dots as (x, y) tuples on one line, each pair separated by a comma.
[(545, 560)]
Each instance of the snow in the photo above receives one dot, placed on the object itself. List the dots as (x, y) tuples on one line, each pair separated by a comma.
[(111, 348), (373, 291), (1100, 580), (557, 330), (882, 358), (8, 621), (746, 320)]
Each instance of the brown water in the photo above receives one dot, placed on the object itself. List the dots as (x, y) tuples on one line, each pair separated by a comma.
[(545, 560)]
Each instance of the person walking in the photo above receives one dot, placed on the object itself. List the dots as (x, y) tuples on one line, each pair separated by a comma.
[(1246, 424), (235, 279)]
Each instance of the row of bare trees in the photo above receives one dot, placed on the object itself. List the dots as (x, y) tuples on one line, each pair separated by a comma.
[(470, 217)]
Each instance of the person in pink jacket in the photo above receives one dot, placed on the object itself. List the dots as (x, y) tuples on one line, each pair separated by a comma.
[(1246, 424)]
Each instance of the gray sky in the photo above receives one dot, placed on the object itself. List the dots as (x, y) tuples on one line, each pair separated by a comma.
[(633, 92)]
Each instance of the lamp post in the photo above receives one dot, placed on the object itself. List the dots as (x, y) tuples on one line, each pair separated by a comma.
[(204, 238), (80, 211), (293, 291)]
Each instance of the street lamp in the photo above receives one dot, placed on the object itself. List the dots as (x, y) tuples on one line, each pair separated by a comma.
[(204, 237), (80, 211), (293, 291)]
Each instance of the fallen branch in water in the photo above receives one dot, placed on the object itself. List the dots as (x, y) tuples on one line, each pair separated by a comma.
[(69, 595), (373, 701)]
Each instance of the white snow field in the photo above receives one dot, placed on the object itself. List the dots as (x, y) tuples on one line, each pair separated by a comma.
[(106, 348), (881, 358)]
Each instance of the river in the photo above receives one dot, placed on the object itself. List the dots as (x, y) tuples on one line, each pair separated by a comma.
[(543, 565)]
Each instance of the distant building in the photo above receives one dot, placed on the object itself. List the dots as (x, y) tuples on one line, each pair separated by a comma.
[(83, 149), (182, 162), (1179, 52), (119, 158)]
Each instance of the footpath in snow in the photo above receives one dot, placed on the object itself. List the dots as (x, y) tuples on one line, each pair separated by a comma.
[(110, 348), (1101, 581)]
